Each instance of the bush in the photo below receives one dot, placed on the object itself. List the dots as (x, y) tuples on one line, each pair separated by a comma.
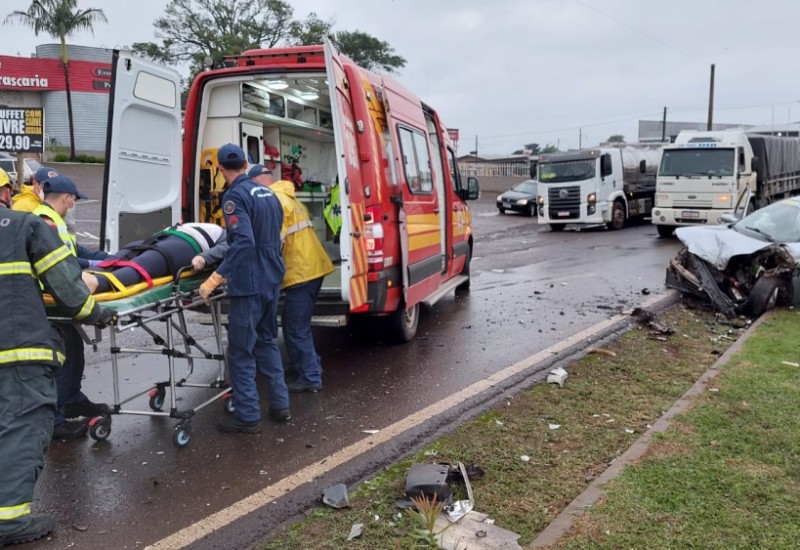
[(61, 157)]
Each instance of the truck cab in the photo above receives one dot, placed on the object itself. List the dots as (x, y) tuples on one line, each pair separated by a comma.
[(701, 177)]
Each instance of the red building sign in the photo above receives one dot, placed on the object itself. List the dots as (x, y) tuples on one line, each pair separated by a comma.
[(47, 75)]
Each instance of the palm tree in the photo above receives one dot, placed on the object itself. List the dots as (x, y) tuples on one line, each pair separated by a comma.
[(59, 18)]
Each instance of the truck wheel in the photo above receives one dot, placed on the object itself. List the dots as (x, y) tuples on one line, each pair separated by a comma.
[(617, 216), (465, 285), (665, 230), (556, 227), (763, 297), (403, 323)]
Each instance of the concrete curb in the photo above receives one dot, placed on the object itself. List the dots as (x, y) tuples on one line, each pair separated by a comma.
[(563, 523)]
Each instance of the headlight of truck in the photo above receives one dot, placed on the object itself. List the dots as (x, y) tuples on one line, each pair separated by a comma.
[(540, 200), (522, 202), (592, 197)]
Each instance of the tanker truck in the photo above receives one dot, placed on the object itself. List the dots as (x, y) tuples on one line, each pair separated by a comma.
[(703, 175), (603, 185)]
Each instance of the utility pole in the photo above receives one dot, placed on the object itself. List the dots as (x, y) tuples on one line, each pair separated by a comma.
[(580, 138), (664, 126), (476, 145), (711, 102)]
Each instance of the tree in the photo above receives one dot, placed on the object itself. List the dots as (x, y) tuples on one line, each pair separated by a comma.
[(548, 149), (192, 30), (60, 19), (616, 138), (533, 148)]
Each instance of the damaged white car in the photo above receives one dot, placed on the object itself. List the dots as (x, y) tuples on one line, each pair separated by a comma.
[(746, 267)]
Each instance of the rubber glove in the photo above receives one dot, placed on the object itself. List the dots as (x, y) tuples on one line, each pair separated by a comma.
[(198, 263), (209, 285)]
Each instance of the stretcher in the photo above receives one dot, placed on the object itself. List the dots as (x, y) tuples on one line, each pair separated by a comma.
[(160, 312)]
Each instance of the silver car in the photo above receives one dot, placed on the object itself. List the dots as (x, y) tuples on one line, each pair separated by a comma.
[(746, 267), (8, 163)]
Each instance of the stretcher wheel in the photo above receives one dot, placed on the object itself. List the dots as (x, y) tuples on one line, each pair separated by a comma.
[(157, 399), (227, 404), (100, 428), (181, 435)]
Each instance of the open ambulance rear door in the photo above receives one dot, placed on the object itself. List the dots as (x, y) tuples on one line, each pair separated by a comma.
[(142, 183), (351, 192)]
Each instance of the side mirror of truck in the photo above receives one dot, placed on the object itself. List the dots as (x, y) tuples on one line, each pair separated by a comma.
[(605, 165), (473, 189), (755, 164), (643, 166)]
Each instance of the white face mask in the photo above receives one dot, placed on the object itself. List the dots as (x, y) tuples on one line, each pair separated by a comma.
[(40, 194)]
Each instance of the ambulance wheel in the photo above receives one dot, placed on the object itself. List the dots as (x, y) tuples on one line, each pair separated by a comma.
[(665, 231), (157, 399), (100, 428), (182, 434), (403, 323), (465, 271), (556, 227), (617, 216), (227, 404), (763, 297)]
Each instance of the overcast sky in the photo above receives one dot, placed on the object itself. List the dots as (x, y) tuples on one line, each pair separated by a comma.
[(544, 71)]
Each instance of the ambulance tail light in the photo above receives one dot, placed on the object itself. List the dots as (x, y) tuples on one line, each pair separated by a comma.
[(373, 230)]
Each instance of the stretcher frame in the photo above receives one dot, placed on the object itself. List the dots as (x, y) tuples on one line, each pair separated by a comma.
[(166, 304)]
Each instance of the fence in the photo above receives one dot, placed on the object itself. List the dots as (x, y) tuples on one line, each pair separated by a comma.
[(495, 169)]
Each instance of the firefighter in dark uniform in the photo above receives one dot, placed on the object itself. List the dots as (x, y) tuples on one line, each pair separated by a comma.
[(253, 268), (30, 352)]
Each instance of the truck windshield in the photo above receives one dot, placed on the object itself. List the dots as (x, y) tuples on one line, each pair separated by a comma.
[(571, 170), (697, 162)]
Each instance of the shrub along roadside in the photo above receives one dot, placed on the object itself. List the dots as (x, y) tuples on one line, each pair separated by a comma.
[(726, 474), (90, 159), (568, 436)]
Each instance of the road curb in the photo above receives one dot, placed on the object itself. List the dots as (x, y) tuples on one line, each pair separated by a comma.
[(583, 502)]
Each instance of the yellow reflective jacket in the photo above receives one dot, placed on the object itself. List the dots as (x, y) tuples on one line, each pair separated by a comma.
[(303, 254), (27, 200)]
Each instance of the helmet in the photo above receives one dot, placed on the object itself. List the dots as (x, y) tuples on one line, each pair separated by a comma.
[(4, 179)]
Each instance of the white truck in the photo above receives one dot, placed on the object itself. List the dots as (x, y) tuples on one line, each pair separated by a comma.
[(603, 185), (703, 175)]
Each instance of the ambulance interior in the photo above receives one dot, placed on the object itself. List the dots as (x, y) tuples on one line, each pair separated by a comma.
[(284, 123)]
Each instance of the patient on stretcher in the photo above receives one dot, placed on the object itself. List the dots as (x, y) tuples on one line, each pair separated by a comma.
[(159, 256)]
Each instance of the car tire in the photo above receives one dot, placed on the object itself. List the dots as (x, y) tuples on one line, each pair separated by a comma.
[(556, 227), (403, 323), (501, 210), (531, 211), (763, 297), (665, 231)]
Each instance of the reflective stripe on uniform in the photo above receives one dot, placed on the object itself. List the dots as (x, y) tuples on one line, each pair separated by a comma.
[(29, 354), (16, 268), (88, 305), (298, 226), (14, 512), (57, 255)]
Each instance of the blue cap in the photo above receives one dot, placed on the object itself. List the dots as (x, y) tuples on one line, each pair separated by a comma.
[(230, 153), (44, 173), (61, 184), (257, 170)]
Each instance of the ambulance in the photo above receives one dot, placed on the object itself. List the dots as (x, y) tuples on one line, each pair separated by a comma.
[(374, 165)]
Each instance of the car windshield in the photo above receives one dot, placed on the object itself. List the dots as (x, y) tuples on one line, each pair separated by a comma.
[(696, 162), (8, 165), (570, 170), (779, 222), (525, 187), (33, 164)]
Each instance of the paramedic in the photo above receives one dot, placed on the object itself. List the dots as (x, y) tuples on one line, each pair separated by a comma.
[(253, 268), (307, 263), (31, 196), (60, 194), (30, 352)]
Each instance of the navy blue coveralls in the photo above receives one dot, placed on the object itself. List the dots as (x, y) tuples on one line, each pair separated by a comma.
[(253, 267)]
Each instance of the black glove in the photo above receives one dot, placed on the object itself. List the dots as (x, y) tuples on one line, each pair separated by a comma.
[(106, 318)]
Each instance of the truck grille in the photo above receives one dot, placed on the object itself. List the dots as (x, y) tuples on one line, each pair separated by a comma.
[(572, 199), (692, 204)]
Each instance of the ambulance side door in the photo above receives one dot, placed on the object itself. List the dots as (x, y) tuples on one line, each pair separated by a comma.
[(142, 181)]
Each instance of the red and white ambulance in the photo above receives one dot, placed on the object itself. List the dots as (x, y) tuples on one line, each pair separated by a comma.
[(373, 163)]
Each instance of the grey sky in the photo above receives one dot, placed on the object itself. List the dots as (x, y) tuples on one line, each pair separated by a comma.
[(521, 71)]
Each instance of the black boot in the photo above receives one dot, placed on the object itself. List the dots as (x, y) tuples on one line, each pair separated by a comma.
[(36, 529), (70, 429), (84, 408)]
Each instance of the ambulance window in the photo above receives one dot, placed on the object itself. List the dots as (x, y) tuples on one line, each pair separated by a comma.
[(423, 163), (436, 148), (454, 173), (407, 150)]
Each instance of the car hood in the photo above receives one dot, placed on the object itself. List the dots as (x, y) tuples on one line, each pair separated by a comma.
[(516, 195), (718, 244)]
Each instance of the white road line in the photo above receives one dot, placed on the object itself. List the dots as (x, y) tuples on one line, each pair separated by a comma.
[(226, 516), (87, 235)]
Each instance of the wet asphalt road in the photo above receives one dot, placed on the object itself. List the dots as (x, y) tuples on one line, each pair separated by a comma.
[(531, 288)]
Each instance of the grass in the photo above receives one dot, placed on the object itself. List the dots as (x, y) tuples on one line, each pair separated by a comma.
[(726, 475), (605, 405)]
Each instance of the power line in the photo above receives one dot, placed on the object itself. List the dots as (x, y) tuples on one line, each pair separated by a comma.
[(567, 129), (640, 31)]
